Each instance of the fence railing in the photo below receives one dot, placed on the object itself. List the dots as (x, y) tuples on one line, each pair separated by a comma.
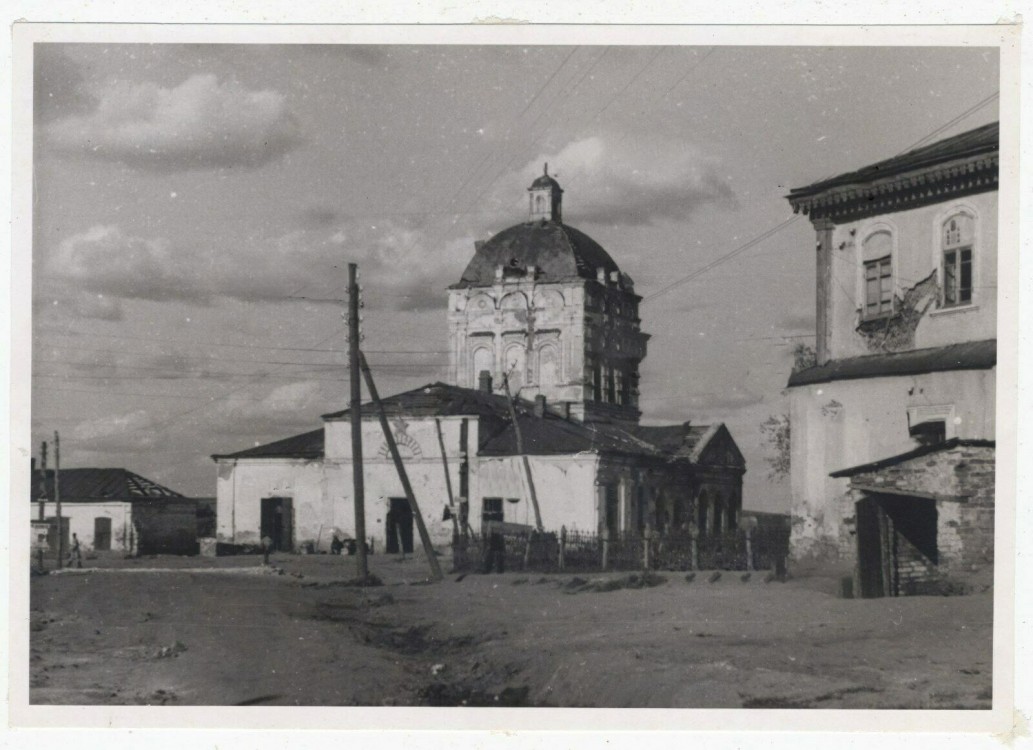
[(570, 550)]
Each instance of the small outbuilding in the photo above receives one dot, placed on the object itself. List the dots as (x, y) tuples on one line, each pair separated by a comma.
[(923, 516), (115, 510)]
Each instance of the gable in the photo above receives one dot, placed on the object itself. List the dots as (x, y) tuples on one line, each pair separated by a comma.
[(720, 449)]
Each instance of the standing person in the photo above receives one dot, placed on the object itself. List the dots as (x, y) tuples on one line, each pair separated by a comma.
[(75, 553)]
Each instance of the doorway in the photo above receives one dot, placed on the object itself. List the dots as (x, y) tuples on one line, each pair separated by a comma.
[(278, 523), (399, 526), (897, 550), (101, 534)]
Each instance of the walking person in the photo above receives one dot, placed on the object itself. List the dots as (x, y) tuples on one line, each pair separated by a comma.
[(75, 552)]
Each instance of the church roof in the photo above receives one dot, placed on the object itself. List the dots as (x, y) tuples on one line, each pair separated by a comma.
[(306, 445), (558, 252), (549, 434), (545, 181)]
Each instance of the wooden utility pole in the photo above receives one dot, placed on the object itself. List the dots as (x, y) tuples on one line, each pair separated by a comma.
[(523, 456), (435, 567), (57, 500), (354, 411), (448, 483), (43, 482)]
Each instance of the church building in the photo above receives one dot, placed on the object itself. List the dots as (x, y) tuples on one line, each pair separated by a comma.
[(543, 309)]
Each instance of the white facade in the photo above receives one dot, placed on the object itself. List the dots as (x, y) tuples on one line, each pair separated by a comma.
[(906, 268), (915, 242), (81, 519), (321, 491)]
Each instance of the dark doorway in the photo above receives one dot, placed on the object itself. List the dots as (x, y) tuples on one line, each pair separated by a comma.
[(399, 526), (871, 570), (102, 534), (278, 522), (896, 542)]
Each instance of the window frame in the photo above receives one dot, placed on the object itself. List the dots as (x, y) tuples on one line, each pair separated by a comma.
[(885, 262), (865, 233), (957, 251)]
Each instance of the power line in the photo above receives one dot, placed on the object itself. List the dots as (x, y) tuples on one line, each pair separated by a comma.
[(764, 235)]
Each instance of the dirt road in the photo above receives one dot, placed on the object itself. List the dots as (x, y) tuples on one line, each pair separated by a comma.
[(301, 638)]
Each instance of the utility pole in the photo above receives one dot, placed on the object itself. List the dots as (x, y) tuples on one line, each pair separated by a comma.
[(43, 482), (42, 496), (435, 567), (523, 456), (57, 500), (354, 411)]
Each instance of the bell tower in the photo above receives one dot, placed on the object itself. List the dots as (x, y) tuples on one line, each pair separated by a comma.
[(546, 198)]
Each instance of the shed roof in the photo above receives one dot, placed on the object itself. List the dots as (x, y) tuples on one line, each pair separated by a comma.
[(91, 485), (923, 450), (969, 355)]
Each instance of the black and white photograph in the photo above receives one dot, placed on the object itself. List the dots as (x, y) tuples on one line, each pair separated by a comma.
[(578, 373)]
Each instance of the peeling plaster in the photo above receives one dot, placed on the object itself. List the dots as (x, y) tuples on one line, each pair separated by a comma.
[(897, 331)]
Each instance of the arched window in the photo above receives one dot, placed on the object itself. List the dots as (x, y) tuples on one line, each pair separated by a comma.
[(483, 359), (548, 366), (514, 364), (878, 274), (956, 242)]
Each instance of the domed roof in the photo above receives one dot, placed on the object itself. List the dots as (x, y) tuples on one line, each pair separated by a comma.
[(558, 252), (545, 181)]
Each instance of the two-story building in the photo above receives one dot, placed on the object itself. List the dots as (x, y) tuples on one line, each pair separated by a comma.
[(892, 430)]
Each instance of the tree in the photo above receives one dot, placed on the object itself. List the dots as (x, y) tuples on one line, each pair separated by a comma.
[(776, 432), (804, 356)]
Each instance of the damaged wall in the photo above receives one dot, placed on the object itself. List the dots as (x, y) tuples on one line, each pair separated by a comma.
[(850, 422), (916, 261)]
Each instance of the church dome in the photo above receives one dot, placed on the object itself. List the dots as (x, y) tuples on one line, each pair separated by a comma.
[(558, 253), (545, 181)]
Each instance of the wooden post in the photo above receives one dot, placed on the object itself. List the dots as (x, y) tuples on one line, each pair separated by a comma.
[(563, 547), (43, 483), (389, 438), (448, 486), (606, 547), (749, 549), (355, 414), (57, 501), (647, 534), (694, 546), (523, 456)]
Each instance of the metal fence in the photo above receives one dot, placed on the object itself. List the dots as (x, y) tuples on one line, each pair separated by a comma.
[(580, 551)]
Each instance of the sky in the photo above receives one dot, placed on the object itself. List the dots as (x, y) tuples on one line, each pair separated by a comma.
[(196, 206)]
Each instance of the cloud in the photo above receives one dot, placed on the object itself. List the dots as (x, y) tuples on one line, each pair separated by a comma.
[(106, 261), (132, 432), (636, 181), (200, 124), (290, 408), (403, 267)]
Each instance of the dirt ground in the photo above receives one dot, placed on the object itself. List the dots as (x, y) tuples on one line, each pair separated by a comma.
[(225, 631)]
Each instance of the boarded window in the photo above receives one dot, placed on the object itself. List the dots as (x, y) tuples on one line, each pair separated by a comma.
[(878, 287)]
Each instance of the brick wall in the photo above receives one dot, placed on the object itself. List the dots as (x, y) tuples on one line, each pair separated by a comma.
[(963, 479)]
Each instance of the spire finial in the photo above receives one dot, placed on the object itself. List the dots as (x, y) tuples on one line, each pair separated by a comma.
[(546, 169)]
